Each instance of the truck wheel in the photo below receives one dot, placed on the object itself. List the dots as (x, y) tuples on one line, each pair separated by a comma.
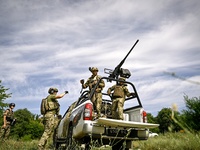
[(87, 144), (55, 143), (69, 143)]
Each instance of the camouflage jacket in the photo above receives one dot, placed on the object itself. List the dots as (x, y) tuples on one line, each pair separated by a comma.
[(120, 91), (53, 104), (91, 82)]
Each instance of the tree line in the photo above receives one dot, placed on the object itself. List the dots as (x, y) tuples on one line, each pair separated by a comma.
[(171, 120), (29, 126)]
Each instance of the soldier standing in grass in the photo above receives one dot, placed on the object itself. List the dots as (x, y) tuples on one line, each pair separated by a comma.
[(8, 120), (50, 118), (119, 94), (91, 82)]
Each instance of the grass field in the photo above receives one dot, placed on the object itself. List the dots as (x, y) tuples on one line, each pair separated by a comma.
[(169, 141)]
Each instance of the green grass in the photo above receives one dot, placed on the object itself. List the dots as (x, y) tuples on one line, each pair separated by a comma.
[(18, 145), (169, 141)]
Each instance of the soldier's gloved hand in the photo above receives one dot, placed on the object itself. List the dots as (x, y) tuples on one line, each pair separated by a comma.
[(66, 92), (82, 81), (59, 116), (133, 94)]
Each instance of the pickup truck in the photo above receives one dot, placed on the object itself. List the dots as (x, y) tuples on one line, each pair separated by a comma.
[(78, 125)]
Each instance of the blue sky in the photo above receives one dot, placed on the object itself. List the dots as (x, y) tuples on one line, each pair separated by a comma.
[(52, 43)]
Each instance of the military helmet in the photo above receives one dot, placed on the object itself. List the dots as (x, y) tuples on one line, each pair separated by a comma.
[(12, 104), (122, 79), (93, 69), (52, 90)]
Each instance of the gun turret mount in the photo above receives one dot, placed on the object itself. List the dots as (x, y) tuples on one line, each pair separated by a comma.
[(125, 73)]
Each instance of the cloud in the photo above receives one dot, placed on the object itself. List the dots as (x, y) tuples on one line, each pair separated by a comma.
[(52, 43)]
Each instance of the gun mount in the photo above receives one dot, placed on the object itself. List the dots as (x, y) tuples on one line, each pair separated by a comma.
[(118, 71)]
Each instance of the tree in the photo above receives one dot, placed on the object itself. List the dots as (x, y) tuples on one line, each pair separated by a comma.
[(3, 97), (27, 127), (164, 119), (191, 114), (168, 120), (152, 119)]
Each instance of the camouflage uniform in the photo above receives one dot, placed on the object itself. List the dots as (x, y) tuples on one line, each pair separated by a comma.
[(118, 98), (97, 97), (5, 130), (50, 123)]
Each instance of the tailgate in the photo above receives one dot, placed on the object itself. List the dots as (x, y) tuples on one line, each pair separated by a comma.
[(122, 123)]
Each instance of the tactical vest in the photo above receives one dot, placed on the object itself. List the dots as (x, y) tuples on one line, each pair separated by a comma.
[(9, 115), (118, 92), (53, 106), (91, 80)]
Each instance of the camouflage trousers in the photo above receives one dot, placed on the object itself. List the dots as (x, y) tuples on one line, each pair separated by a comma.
[(5, 131), (50, 124), (117, 103), (97, 101)]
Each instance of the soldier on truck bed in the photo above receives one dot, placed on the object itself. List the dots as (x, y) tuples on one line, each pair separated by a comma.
[(119, 94), (91, 82)]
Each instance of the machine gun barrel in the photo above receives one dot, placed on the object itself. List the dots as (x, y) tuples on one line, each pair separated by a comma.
[(116, 72)]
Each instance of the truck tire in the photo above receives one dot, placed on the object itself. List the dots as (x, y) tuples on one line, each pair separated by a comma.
[(55, 143), (69, 144), (87, 144)]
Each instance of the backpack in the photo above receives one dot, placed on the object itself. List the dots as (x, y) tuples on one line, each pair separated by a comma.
[(44, 106)]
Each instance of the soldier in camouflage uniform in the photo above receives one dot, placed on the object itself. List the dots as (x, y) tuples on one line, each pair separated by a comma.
[(91, 82), (8, 119), (119, 94), (50, 118)]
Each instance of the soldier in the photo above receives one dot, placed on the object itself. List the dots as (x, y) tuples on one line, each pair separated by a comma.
[(50, 118), (91, 82), (8, 120), (119, 94)]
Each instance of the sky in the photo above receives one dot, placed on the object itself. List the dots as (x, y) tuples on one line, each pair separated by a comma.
[(47, 44)]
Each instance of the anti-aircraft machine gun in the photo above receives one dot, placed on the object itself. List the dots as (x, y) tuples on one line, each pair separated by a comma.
[(118, 71)]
